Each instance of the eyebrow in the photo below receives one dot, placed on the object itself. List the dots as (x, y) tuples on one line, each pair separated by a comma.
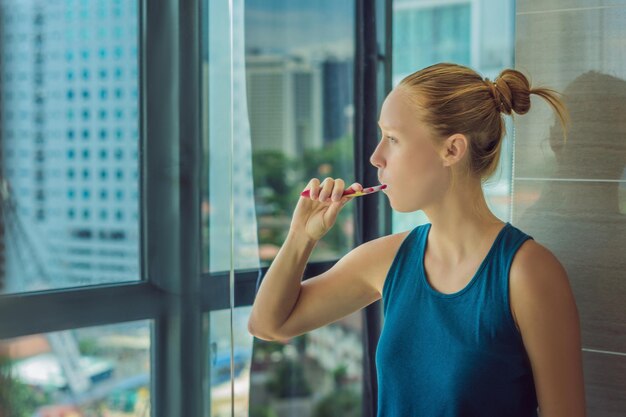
[(389, 129)]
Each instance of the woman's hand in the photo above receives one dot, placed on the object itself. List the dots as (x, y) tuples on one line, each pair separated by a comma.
[(316, 214)]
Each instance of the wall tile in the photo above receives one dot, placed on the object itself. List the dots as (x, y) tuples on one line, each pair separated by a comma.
[(533, 6), (581, 223), (571, 196), (605, 384), (582, 55)]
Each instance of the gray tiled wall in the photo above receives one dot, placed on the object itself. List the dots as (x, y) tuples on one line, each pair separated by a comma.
[(571, 197)]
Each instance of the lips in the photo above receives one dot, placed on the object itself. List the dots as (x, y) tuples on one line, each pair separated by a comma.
[(384, 190)]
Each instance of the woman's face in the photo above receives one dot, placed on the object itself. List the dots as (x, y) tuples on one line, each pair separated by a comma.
[(406, 157)]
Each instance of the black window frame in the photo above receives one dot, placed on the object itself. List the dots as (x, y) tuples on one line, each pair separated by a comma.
[(177, 293)]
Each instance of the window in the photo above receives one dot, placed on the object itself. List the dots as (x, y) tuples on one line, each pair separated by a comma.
[(60, 45), (104, 369), (287, 118), (181, 286), (479, 34)]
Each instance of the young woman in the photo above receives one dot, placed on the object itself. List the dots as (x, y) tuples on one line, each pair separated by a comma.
[(480, 319)]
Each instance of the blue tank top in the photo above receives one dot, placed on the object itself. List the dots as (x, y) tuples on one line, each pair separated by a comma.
[(452, 355)]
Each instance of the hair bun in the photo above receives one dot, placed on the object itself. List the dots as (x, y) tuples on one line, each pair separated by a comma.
[(514, 90), (501, 94)]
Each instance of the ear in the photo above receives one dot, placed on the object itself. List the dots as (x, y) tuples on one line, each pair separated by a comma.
[(454, 149)]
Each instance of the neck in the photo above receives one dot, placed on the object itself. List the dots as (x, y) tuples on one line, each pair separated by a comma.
[(462, 225)]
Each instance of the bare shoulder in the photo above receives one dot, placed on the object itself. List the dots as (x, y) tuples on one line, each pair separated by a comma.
[(547, 317), (532, 254), (533, 262), (376, 256), (536, 277)]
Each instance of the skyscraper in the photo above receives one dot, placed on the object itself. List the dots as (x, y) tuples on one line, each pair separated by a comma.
[(425, 33), (338, 95), (70, 134), (284, 98)]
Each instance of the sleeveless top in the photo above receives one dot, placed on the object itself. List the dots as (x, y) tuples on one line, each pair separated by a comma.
[(452, 355)]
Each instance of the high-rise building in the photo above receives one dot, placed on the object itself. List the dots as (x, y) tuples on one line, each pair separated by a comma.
[(427, 32), (338, 96), (284, 101), (70, 130), (466, 32)]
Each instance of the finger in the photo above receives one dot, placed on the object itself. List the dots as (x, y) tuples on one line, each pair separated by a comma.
[(313, 186), (338, 189), (327, 188), (356, 186)]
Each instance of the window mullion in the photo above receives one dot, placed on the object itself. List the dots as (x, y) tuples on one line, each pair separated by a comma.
[(369, 212), (171, 200)]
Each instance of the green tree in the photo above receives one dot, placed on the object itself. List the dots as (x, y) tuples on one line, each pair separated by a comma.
[(342, 401), (288, 380), (338, 156), (262, 411), (279, 180), (17, 399), (335, 160), (270, 171)]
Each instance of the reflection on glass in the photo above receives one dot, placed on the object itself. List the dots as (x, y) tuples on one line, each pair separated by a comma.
[(478, 34), (68, 144), (578, 209), (99, 371)]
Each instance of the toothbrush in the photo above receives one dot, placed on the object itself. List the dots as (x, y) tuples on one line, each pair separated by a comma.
[(353, 193)]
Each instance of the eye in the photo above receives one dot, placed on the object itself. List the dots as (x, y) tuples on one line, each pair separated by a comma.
[(391, 139)]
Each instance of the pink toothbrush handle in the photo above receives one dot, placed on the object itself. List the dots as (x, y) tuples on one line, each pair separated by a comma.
[(307, 193), (349, 191)]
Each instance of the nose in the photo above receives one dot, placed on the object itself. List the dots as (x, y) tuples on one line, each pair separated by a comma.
[(376, 158)]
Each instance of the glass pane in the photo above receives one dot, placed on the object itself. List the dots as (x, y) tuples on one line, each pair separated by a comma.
[(68, 144), (318, 374), (221, 382), (228, 208), (293, 106), (279, 111), (97, 371), (476, 34), (300, 77)]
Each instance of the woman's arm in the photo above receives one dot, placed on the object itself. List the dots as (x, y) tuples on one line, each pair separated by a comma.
[(545, 311), (285, 307)]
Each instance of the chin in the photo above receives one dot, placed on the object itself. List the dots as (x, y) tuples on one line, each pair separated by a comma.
[(404, 208), (401, 209)]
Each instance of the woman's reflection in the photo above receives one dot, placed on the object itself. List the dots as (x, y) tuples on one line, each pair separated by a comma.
[(580, 212)]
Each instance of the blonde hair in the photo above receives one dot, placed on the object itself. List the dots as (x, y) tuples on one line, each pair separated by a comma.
[(455, 99)]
